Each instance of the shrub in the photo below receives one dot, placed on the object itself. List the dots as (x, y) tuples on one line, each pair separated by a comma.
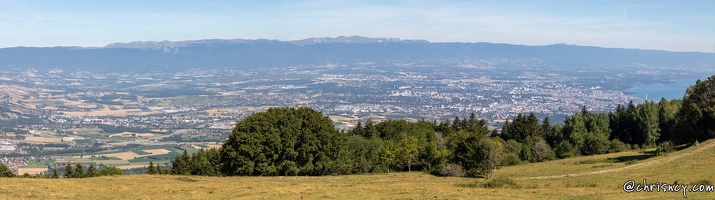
[(564, 149), (110, 171), (618, 146), (551, 155), (595, 144), (511, 159), (664, 148)]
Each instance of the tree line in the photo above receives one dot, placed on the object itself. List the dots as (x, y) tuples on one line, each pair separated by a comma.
[(78, 171)]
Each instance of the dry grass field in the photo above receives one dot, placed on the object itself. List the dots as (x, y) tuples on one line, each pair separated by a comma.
[(36, 170), (590, 177), (46, 139), (126, 155)]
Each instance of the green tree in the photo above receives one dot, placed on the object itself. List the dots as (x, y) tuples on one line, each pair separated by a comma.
[(159, 170), (111, 171), (511, 151), (575, 130), (358, 130), (370, 129), (201, 165), (647, 118), (150, 169), (564, 149), (474, 152), (546, 129), (268, 143), (505, 131), (68, 173), (55, 174), (623, 124), (5, 171), (407, 150), (78, 171), (696, 119), (181, 164), (91, 171), (667, 111), (386, 155)]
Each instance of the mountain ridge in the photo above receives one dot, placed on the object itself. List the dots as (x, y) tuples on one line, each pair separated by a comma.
[(243, 53)]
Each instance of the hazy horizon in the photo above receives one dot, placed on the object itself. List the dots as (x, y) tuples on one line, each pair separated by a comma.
[(659, 25)]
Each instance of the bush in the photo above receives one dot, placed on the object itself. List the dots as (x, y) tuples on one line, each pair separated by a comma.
[(510, 159), (512, 149), (618, 146), (565, 150), (452, 170), (595, 144), (664, 148), (110, 171)]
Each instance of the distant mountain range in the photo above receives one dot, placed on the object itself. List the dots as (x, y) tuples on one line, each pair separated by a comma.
[(240, 53)]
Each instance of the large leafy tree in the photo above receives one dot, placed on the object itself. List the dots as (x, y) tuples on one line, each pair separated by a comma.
[(696, 119), (285, 141), (407, 150)]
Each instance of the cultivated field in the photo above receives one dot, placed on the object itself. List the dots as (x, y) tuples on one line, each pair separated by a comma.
[(34, 170), (591, 177)]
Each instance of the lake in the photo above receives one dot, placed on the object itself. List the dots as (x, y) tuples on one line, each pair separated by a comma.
[(674, 90)]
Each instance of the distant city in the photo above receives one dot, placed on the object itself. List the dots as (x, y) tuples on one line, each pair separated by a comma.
[(54, 110)]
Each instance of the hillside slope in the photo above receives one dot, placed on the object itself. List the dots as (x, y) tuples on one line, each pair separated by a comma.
[(590, 177)]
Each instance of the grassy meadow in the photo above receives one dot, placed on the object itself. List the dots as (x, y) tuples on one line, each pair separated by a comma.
[(588, 177)]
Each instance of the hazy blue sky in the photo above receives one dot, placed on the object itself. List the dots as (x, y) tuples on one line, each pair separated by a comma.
[(647, 24)]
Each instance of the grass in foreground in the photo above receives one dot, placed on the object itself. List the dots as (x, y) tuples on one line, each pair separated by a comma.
[(517, 182)]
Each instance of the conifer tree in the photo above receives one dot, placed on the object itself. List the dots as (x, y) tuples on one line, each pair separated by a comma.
[(78, 171), (55, 174), (91, 171), (5, 171), (68, 173), (150, 169)]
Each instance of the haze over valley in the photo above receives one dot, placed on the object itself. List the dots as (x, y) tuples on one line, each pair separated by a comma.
[(356, 99)]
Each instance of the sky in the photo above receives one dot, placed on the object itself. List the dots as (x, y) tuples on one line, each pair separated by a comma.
[(646, 24)]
